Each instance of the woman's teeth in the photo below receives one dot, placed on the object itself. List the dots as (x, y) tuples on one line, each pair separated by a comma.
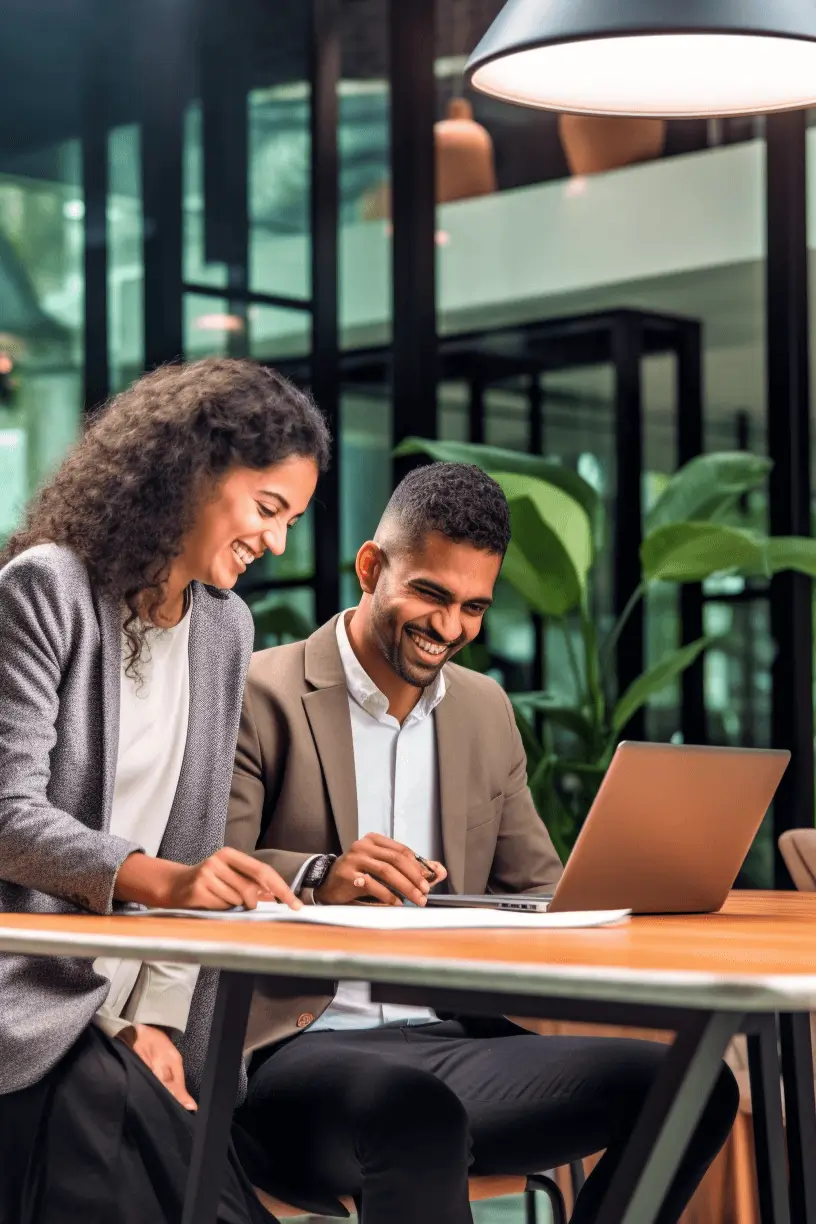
[(243, 553), (431, 648)]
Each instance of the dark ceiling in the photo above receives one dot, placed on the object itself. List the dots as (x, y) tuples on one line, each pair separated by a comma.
[(51, 49), (48, 46)]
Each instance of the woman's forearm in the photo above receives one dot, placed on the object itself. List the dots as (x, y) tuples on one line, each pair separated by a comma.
[(146, 880)]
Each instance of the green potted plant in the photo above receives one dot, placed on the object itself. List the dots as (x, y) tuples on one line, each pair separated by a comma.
[(692, 533)]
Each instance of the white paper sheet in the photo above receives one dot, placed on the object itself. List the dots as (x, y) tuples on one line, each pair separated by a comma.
[(401, 917)]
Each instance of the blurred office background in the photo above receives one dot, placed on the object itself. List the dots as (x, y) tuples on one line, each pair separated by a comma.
[(189, 177)]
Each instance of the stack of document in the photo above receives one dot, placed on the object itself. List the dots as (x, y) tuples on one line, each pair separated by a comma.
[(399, 917)]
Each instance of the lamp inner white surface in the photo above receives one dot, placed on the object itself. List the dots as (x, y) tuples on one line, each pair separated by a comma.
[(668, 75)]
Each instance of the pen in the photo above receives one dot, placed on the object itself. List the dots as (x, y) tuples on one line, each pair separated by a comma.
[(424, 863)]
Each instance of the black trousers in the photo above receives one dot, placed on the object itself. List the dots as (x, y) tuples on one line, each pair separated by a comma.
[(99, 1140), (398, 1116)]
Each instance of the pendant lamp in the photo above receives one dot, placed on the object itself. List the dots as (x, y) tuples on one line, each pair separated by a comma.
[(668, 59)]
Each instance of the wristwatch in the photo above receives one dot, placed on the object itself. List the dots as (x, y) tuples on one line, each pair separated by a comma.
[(318, 869)]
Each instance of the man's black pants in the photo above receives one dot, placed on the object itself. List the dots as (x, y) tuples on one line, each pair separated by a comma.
[(399, 1116)]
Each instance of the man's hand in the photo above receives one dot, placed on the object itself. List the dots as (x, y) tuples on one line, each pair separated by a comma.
[(225, 879), (369, 865), (157, 1052)]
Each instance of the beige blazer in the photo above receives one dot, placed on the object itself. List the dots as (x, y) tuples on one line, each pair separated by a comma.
[(294, 791)]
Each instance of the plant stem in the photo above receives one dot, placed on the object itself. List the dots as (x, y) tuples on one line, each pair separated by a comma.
[(617, 628), (575, 666), (595, 695)]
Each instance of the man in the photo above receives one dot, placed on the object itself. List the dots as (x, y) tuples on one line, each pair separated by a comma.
[(360, 750)]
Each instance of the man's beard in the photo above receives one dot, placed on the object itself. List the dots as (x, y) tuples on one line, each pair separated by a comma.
[(393, 644)]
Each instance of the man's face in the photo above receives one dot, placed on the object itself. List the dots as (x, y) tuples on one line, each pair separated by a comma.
[(428, 603)]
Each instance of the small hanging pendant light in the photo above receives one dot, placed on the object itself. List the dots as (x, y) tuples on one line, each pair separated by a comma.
[(464, 155), (662, 58)]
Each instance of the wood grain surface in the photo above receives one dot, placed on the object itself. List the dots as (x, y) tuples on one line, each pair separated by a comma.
[(756, 933)]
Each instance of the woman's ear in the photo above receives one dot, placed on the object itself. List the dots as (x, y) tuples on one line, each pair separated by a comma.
[(369, 566)]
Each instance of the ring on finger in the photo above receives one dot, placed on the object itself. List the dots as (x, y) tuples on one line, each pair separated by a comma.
[(359, 881)]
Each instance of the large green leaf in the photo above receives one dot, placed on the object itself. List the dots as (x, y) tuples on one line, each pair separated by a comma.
[(655, 679), (558, 822), (550, 549), (707, 486), (792, 553), (690, 552), (559, 511), (553, 708), (495, 459)]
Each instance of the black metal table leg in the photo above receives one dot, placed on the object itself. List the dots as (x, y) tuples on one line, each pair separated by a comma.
[(668, 1118), (800, 1114), (219, 1089), (769, 1123)]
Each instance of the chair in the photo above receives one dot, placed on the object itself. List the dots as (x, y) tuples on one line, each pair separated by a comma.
[(798, 849), (479, 1188)]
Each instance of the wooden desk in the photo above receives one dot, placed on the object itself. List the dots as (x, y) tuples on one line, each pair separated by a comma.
[(706, 977)]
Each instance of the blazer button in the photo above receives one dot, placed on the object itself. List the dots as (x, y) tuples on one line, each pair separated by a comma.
[(304, 1020)]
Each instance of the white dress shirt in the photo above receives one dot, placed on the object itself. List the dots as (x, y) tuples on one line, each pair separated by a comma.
[(153, 718), (397, 774)]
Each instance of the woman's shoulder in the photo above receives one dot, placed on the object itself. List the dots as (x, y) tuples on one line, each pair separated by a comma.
[(45, 595), (54, 570)]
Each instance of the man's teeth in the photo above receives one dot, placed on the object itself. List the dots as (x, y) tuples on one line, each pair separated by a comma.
[(430, 647), (244, 554)]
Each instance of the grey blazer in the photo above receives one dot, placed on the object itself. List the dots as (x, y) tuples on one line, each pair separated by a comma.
[(60, 661)]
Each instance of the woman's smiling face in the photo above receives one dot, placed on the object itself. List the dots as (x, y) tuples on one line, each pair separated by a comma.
[(249, 512)]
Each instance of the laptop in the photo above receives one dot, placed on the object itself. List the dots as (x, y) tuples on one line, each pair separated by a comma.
[(667, 834)]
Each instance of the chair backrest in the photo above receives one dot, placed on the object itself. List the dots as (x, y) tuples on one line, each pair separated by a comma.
[(798, 849)]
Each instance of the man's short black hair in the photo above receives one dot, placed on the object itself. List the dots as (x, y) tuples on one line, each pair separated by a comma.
[(458, 500)]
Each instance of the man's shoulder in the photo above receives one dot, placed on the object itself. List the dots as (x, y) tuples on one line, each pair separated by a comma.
[(474, 686), (282, 668)]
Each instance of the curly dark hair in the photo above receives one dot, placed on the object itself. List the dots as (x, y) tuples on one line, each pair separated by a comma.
[(458, 500), (127, 494)]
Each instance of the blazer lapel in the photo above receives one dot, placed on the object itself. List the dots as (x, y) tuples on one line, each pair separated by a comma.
[(453, 787), (328, 714), (218, 667), (110, 634), (327, 710), (203, 710)]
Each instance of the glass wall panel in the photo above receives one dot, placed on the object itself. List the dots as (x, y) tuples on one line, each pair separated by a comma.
[(279, 188), (365, 202), (196, 270), (277, 335), (125, 257), (41, 318), (364, 454), (209, 326)]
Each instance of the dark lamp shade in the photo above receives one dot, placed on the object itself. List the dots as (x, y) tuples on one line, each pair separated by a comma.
[(667, 59)]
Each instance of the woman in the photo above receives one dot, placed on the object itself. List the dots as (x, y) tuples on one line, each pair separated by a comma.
[(122, 665)]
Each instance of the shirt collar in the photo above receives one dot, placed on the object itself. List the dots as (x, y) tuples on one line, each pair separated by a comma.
[(365, 692)]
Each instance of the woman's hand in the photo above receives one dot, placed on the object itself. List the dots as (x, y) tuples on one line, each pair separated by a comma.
[(227, 878), (157, 1052)]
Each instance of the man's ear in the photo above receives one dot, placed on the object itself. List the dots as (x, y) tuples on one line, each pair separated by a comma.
[(369, 566)]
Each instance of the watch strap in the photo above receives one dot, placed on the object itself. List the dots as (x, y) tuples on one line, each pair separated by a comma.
[(317, 870)]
